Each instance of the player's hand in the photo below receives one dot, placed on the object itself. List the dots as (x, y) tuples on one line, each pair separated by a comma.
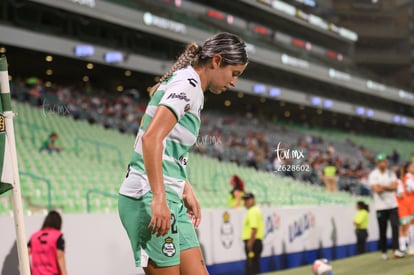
[(192, 205), (160, 216)]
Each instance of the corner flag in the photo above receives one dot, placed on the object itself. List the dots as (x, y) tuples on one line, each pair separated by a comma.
[(6, 169), (9, 172)]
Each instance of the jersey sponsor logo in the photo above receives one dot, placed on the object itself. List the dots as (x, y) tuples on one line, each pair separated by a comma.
[(301, 225), (168, 248), (192, 81), (2, 124), (180, 96), (272, 223)]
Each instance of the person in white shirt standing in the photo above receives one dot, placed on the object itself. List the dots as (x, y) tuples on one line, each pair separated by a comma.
[(383, 183)]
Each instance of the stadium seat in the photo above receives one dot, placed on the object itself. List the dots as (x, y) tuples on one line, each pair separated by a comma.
[(78, 169)]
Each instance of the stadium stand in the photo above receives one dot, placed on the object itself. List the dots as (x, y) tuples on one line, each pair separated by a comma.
[(86, 175), (301, 78)]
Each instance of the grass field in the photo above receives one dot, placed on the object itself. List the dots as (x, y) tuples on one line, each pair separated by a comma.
[(368, 264)]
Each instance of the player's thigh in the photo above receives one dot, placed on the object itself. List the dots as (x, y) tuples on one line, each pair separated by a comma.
[(192, 262), (191, 258), (404, 214), (164, 251), (411, 203), (153, 269), (135, 219), (186, 230)]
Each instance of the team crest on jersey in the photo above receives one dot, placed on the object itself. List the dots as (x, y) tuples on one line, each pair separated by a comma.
[(168, 248), (2, 124)]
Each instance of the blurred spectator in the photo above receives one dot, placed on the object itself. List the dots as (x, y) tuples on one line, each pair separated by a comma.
[(331, 150), (384, 184), (35, 91), (49, 144), (365, 188), (236, 193), (237, 138), (395, 157), (277, 163), (312, 176), (218, 145), (251, 158), (329, 176)]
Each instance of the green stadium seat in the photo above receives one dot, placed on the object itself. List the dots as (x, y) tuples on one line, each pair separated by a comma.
[(76, 170)]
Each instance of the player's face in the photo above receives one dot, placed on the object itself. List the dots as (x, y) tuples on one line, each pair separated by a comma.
[(223, 78)]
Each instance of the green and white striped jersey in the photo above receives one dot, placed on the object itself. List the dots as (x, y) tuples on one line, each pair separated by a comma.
[(183, 95)]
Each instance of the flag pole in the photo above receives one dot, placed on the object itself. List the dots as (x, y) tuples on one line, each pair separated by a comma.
[(16, 191)]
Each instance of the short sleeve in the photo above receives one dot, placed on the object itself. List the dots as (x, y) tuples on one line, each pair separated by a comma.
[(254, 219), (180, 95), (60, 243), (359, 217)]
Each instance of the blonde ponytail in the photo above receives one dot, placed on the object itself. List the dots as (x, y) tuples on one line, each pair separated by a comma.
[(186, 58)]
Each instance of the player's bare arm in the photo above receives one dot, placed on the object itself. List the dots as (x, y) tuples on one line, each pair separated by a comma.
[(162, 123), (192, 204)]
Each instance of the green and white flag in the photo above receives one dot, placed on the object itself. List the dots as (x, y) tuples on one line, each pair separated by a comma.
[(9, 172), (6, 168)]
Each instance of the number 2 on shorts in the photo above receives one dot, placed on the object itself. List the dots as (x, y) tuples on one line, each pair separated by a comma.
[(174, 228)]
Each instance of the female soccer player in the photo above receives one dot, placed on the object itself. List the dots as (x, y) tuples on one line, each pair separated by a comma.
[(409, 184), (156, 194), (404, 208)]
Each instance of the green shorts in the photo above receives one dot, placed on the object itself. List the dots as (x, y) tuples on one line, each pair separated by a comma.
[(165, 250)]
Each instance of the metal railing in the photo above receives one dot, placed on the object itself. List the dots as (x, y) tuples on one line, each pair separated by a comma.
[(33, 127), (98, 148), (99, 192), (45, 180), (319, 198)]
